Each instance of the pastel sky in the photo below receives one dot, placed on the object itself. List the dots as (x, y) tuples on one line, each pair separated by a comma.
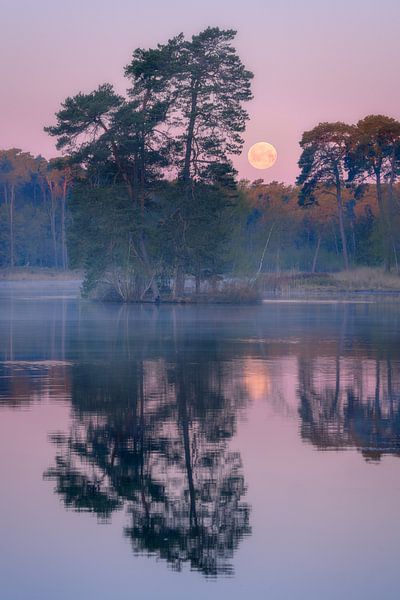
[(313, 60)]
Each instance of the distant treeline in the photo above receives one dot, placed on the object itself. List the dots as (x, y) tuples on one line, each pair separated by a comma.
[(37, 197), (146, 194), (33, 210)]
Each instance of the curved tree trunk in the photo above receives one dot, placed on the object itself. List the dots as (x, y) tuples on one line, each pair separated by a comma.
[(386, 226), (179, 282), (314, 263)]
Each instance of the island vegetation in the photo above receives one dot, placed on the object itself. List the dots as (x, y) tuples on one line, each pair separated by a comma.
[(146, 203)]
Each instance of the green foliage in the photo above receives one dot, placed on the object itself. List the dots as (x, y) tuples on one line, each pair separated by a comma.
[(375, 148), (375, 155), (194, 234), (102, 232), (183, 112), (85, 115), (106, 228), (323, 159)]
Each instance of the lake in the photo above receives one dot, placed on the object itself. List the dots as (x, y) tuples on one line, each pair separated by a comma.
[(195, 452)]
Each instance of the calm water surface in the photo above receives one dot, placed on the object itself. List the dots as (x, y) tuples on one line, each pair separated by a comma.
[(197, 452)]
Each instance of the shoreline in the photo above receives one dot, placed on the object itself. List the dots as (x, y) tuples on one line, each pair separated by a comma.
[(364, 284)]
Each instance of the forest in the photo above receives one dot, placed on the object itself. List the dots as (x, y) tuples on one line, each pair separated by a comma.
[(145, 200)]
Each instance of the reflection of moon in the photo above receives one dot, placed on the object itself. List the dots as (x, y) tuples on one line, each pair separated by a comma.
[(256, 379), (262, 155)]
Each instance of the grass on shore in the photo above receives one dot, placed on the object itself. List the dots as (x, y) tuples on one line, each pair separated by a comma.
[(360, 279), (38, 274), (367, 278)]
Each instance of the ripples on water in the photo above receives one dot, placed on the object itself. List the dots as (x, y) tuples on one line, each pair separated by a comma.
[(157, 398)]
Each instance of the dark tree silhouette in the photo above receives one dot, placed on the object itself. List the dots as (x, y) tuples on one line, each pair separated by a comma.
[(152, 436)]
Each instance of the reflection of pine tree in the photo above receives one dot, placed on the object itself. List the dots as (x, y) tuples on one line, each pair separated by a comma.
[(357, 407), (152, 437)]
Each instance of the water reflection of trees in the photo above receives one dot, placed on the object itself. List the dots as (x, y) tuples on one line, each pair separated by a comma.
[(351, 402), (156, 393), (152, 436), (27, 382)]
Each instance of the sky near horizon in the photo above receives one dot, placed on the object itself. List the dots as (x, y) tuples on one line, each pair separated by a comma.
[(313, 61)]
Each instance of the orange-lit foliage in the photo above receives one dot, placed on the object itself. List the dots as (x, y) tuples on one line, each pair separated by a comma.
[(296, 230)]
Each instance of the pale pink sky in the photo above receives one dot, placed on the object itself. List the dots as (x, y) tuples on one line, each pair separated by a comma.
[(313, 61)]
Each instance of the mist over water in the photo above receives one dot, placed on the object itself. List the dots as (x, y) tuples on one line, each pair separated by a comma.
[(235, 450)]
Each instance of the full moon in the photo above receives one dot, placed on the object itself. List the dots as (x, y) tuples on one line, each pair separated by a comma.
[(262, 155)]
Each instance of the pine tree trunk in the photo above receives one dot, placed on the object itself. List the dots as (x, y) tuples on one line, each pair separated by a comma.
[(391, 212), (53, 230), (190, 132), (197, 280), (63, 234), (341, 227), (11, 213)]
